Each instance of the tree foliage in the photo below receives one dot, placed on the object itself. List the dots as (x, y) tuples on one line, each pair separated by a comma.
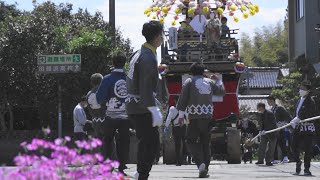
[(267, 47), (52, 29), (289, 93)]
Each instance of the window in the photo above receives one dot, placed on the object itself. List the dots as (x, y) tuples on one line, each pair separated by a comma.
[(300, 9)]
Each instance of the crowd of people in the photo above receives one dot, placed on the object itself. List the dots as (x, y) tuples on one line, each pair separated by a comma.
[(292, 140), (120, 101)]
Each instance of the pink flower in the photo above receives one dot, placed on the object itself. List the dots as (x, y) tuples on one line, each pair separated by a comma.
[(99, 157), (46, 131), (43, 158), (87, 147), (23, 144), (67, 138), (94, 144), (115, 164), (38, 142), (55, 167), (31, 147), (58, 141), (97, 141), (80, 144)]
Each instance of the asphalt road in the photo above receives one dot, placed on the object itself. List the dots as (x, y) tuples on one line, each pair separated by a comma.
[(222, 170)]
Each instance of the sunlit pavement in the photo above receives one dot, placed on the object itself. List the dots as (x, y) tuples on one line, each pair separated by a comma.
[(222, 170)]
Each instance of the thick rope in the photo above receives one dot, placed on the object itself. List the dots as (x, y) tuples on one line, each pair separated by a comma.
[(282, 127)]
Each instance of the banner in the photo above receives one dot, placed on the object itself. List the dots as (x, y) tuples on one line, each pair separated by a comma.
[(173, 38)]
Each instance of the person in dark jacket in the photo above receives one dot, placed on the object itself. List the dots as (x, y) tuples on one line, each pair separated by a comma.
[(248, 130), (304, 132), (282, 118), (268, 122), (141, 104), (196, 98), (112, 93), (248, 127)]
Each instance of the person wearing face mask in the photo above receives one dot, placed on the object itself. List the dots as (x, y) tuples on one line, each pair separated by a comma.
[(268, 122), (304, 132), (141, 104), (80, 119), (282, 117)]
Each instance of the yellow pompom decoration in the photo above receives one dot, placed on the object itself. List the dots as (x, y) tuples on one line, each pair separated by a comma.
[(245, 15), (148, 10), (161, 20), (252, 8), (154, 17), (148, 14), (256, 7), (178, 11), (191, 11), (233, 7), (220, 10), (155, 9), (235, 19), (252, 13), (165, 10), (205, 9), (243, 8), (174, 23)]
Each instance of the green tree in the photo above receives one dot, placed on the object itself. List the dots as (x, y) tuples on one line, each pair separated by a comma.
[(52, 29), (246, 49), (289, 93), (5, 106), (267, 47)]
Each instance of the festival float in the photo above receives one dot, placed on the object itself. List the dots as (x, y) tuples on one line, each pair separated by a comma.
[(197, 31)]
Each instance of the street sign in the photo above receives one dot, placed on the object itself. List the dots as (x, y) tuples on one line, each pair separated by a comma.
[(50, 64), (55, 64)]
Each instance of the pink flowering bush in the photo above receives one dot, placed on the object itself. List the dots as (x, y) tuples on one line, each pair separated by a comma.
[(55, 161)]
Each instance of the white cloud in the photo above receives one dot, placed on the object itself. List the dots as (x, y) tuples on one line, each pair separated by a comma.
[(130, 18), (271, 15), (266, 17)]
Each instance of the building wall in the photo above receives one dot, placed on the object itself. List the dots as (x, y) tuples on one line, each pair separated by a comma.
[(291, 31), (303, 40), (312, 19), (299, 33)]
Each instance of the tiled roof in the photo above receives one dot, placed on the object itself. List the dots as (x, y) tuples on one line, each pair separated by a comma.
[(264, 77), (251, 102)]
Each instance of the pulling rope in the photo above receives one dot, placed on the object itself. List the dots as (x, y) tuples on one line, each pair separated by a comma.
[(249, 142)]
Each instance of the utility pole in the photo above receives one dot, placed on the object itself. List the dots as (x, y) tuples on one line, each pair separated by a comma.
[(112, 18)]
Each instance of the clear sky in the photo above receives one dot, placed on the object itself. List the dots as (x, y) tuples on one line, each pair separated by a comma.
[(130, 17)]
